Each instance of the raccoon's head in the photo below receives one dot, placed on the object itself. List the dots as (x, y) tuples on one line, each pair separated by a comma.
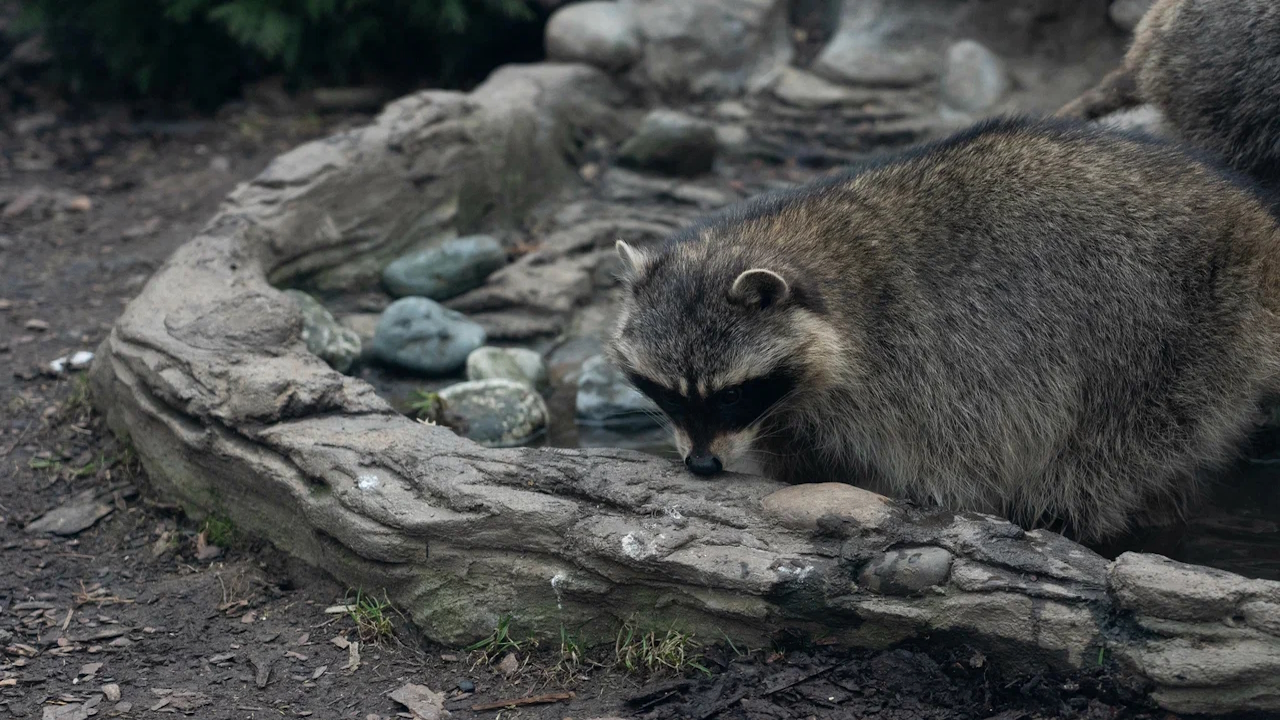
[(720, 341)]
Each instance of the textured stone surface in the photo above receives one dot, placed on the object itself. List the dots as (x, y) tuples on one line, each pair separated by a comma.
[(709, 47), (208, 375), (905, 43), (445, 271), (326, 337), (597, 32), (497, 412)]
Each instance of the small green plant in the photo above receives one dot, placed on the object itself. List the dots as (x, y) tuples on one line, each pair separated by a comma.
[(674, 651), (572, 656), (78, 402), (427, 405), (497, 644), (219, 531), (44, 464), (372, 618)]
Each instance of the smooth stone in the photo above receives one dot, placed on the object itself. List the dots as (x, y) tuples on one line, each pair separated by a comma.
[(519, 364), (1128, 13), (446, 270), (497, 412), (421, 335), (326, 338), (77, 514), (606, 399), (975, 78), (670, 143), (906, 571), (598, 32), (801, 507)]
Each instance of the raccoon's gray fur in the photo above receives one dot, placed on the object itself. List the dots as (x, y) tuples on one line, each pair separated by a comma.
[(1213, 68), (1033, 318)]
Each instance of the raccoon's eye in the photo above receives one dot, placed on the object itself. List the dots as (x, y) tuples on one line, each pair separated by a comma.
[(730, 396)]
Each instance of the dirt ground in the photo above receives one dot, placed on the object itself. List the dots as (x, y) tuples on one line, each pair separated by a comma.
[(137, 616)]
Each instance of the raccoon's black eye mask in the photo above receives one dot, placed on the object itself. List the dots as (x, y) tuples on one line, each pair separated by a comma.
[(731, 408)]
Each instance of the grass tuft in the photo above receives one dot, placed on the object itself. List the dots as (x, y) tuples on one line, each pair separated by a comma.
[(655, 653), (372, 618)]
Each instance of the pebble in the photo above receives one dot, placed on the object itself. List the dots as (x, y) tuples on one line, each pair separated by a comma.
[(327, 339), (975, 78), (670, 143), (466, 686), (497, 412), (421, 335), (447, 270), (606, 399), (597, 32), (37, 325), (111, 691), (519, 364)]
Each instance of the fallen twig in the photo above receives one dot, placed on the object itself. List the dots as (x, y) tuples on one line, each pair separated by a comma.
[(527, 700)]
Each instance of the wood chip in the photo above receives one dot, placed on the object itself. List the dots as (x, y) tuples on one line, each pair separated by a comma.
[(528, 700)]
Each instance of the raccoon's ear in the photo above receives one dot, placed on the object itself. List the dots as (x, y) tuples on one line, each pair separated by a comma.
[(634, 262), (760, 288)]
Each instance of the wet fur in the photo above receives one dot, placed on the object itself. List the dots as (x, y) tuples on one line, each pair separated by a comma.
[(1039, 319), (1212, 67)]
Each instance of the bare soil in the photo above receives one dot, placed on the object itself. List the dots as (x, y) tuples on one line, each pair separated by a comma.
[(140, 600)]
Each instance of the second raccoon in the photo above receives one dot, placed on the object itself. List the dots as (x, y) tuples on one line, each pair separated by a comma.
[(1036, 319)]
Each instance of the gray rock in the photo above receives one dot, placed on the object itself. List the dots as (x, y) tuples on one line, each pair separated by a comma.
[(364, 325), (806, 90), (421, 335), (975, 78), (710, 48), (1127, 13), (606, 399), (496, 412), (445, 271), (326, 338), (519, 364), (885, 43), (906, 571), (597, 32), (670, 143)]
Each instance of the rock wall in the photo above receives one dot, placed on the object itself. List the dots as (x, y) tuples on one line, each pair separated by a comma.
[(208, 374)]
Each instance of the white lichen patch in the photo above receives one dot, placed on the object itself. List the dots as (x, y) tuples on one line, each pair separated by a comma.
[(791, 572), (368, 482), (638, 549), (557, 581)]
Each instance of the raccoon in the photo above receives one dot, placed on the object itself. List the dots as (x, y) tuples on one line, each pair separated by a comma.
[(1034, 318), (1212, 67)]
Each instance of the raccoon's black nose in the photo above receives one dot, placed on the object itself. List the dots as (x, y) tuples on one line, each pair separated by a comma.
[(702, 463)]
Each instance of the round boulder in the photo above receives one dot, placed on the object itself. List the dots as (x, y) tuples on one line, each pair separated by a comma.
[(421, 335), (975, 78), (445, 271), (670, 143), (496, 412), (599, 33), (606, 399), (519, 364)]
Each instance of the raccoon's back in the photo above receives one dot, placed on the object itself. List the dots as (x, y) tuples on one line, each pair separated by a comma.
[(1213, 68), (1045, 257)]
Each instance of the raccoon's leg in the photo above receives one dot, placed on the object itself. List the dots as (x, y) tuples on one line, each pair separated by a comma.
[(1117, 91)]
